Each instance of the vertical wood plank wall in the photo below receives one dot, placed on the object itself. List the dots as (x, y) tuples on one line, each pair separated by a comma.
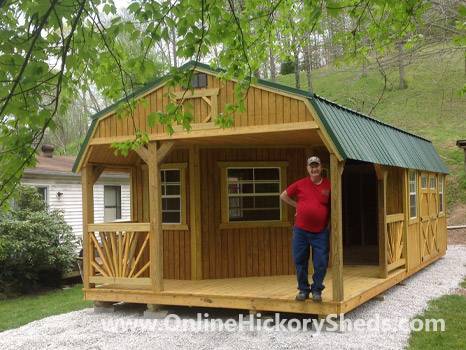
[(263, 108), (394, 190), (248, 251)]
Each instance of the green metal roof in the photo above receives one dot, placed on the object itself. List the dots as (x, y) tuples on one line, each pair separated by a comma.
[(355, 135), (360, 137)]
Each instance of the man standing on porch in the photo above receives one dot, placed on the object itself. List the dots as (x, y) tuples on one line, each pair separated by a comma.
[(311, 229)]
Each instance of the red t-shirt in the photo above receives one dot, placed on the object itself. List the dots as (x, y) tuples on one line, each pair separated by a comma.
[(313, 203)]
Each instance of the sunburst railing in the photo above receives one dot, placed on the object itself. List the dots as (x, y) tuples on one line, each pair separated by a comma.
[(119, 253)]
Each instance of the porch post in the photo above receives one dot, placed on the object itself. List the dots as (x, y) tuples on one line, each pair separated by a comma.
[(195, 212), (382, 216), (88, 218), (405, 195), (89, 176), (336, 170), (155, 215)]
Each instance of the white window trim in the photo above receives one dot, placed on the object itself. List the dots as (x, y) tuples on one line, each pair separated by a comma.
[(441, 199), (120, 206), (416, 193)]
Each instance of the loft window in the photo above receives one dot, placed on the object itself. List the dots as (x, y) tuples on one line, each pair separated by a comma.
[(112, 203), (412, 194), (199, 80), (171, 196)]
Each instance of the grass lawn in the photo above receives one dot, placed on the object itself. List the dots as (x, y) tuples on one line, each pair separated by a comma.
[(18, 312), (450, 308)]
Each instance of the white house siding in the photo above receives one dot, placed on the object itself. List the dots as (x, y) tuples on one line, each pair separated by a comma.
[(71, 199), (99, 198)]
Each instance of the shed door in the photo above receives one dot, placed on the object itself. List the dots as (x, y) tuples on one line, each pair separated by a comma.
[(429, 216)]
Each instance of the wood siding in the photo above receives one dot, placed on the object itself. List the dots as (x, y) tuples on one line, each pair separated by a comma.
[(263, 108), (176, 243), (394, 190), (250, 251)]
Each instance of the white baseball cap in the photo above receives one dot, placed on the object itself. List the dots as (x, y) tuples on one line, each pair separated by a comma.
[(313, 159)]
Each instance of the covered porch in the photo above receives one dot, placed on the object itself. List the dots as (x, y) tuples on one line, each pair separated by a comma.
[(273, 293), (130, 261)]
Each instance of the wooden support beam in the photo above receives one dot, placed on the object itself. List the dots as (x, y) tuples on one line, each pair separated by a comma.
[(379, 171), (214, 107), (214, 131), (87, 182), (164, 150), (336, 238), (382, 217), (195, 212), (143, 152), (405, 197), (197, 93), (155, 213)]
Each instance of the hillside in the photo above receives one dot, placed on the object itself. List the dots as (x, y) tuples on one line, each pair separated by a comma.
[(429, 106)]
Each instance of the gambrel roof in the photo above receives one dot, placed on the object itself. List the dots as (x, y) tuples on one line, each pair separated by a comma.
[(355, 135)]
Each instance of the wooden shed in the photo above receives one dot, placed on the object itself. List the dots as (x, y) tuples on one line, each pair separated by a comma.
[(207, 227)]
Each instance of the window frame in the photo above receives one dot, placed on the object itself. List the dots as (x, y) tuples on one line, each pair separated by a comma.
[(432, 177), (441, 195), (116, 206), (183, 215), (225, 223), (413, 219), (426, 177)]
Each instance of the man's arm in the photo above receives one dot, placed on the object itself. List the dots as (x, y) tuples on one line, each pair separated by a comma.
[(287, 199)]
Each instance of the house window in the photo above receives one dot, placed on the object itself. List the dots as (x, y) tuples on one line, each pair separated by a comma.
[(251, 194), (43, 193), (171, 196), (432, 183), (424, 182), (440, 193), (112, 203), (413, 194)]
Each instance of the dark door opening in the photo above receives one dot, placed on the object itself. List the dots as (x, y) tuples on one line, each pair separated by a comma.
[(359, 203)]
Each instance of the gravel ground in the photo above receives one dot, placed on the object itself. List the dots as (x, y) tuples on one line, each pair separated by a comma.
[(84, 329)]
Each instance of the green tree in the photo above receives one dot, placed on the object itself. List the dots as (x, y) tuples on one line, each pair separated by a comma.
[(47, 47)]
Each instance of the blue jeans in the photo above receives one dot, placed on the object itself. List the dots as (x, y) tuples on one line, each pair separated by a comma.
[(319, 242)]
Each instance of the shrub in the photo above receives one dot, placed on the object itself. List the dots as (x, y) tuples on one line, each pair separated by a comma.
[(287, 67), (33, 241)]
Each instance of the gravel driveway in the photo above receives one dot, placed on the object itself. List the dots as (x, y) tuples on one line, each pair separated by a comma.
[(85, 329)]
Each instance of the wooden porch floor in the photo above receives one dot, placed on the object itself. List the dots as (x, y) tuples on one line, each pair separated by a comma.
[(275, 293)]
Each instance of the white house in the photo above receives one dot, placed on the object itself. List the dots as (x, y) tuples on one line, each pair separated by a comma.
[(61, 189)]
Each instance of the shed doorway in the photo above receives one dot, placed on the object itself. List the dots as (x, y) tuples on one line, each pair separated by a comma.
[(359, 204)]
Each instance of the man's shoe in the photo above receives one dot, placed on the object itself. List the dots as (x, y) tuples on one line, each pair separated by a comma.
[(316, 298), (302, 296)]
